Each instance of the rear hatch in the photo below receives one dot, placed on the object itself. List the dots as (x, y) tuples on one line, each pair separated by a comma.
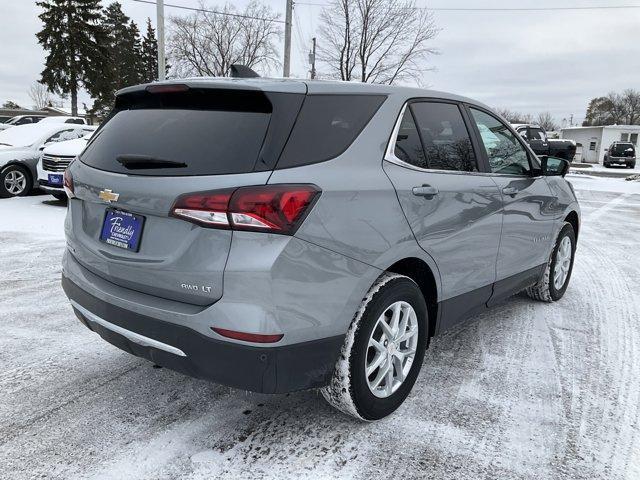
[(160, 143), (623, 150)]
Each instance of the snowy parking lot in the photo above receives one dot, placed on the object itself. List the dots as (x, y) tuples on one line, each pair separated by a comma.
[(526, 391)]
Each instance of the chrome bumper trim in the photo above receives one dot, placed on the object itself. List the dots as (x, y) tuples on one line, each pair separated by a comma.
[(134, 337)]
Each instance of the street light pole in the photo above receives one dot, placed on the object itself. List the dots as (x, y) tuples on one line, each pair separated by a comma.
[(312, 59), (286, 65), (161, 65)]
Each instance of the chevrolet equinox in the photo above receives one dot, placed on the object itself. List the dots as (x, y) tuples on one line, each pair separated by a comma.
[(280, 235)]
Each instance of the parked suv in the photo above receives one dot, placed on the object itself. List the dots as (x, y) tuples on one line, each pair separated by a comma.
[(280, 235), (620, 153)]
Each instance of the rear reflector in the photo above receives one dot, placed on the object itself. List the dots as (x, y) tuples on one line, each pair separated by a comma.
[(264, 208), (248, 337)]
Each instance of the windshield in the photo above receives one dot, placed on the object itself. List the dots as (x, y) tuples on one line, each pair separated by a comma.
[(623, 150), (13, 120), (21, 136)]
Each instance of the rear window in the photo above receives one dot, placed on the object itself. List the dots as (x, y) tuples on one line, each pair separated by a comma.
[(195, 133), (327, 125)]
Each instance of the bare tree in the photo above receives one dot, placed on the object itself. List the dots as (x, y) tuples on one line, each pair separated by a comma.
[(513, 116), (376, 41), (631, 101), (39, 95), (207, 43), (546, 121)]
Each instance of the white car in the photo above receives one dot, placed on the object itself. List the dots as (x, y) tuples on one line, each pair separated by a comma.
[(20, 120), (20, 149), (64, 119), (54, 161)]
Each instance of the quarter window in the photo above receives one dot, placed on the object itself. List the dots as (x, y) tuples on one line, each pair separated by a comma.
[(506, 154), (408, 147)]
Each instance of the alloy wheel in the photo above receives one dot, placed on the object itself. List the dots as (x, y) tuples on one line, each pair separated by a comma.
[(563, 263), (391, 349), (15, 182)]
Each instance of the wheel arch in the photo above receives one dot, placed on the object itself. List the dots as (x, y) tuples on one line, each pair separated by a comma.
[(419, 271), (22, 165), (574, 220)]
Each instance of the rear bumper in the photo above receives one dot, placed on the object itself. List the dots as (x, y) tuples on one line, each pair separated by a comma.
[(620, 161), (266, 370)]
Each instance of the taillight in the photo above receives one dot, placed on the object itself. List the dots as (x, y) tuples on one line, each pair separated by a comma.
[(67, 182), (266, 208)]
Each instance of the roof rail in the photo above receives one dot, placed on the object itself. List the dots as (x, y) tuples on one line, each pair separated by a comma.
[(242, 71)]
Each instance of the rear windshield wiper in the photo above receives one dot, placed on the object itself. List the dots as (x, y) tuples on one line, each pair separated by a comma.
[(140, 162)]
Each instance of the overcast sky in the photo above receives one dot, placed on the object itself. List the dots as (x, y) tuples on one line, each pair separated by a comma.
[(527, 61)]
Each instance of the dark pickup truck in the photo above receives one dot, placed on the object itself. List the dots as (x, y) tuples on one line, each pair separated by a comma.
[(537, 139)]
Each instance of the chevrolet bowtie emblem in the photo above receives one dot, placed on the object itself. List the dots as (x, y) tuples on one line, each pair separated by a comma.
[(108, 196)]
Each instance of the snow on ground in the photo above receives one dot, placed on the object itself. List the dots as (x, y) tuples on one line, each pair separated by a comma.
[(603, 184), (614, 171), (525, 391)]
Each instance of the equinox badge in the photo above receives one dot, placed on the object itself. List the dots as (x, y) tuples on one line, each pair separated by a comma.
[(108, 196)]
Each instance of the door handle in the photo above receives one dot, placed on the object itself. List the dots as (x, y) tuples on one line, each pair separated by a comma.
[(425, 191), (510, 191)]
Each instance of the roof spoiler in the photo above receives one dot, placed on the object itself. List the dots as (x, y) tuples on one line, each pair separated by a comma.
[(242, 71)]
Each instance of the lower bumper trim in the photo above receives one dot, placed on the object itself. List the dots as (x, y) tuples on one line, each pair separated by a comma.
[(133, 336)]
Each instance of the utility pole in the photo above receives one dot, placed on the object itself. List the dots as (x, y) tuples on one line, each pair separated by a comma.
[(286, 65), (312, 59), (161, 65)]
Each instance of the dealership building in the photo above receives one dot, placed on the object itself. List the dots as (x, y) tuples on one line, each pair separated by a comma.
[(594, 140)]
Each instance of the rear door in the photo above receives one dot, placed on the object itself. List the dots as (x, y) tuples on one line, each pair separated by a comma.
[(154, 148), (528, 220), (454, 210)]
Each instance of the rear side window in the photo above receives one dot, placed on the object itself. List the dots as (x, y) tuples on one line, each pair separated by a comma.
[(198, 133), (537, 134), (326, 126), (446, 141)]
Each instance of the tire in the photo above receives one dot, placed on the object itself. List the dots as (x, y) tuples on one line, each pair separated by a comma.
[(60, 196), (15, 181), (350, 389), (547, 289)]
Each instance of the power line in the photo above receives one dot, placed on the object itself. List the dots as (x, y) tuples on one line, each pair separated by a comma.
[(196, 9), (505, 9)]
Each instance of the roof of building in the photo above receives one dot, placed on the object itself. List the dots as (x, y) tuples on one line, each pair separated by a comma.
[(613, 127)]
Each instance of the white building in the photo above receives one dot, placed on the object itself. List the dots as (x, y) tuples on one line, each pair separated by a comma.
[(595, 140)]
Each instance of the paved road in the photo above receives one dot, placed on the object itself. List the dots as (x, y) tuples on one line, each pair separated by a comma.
[(526, 391)]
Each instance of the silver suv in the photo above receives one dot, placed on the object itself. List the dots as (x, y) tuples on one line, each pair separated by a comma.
[(280, 235)]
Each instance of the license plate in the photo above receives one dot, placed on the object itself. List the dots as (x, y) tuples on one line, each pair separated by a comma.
[(122, 229), (55, 179)]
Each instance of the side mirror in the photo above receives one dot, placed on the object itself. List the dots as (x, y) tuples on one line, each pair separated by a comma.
[(553, 166)]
